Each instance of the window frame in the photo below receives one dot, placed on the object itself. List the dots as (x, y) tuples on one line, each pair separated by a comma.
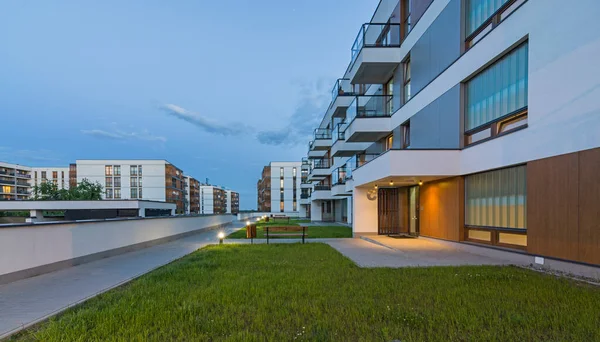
[(490, 23)]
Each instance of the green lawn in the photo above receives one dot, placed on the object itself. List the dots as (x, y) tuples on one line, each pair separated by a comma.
[(292, 292), (313, 232)]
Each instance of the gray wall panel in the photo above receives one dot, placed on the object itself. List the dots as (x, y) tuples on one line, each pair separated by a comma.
[(437, 48), (438, 124)]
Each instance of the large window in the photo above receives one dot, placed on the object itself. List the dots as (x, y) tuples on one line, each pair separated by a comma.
[(481, 16), (496, 98), (406, 81), (496, 206), (108, 170)]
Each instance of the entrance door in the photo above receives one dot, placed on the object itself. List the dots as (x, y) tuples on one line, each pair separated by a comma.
[(413, 210), (388, 209)]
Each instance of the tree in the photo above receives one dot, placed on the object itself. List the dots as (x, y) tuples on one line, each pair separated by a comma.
[(85, 190)]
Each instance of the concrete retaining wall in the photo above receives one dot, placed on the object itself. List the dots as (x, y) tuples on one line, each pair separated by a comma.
[(245, 216), (27, 250)]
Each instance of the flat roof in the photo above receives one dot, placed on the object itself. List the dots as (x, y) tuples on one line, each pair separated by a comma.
[(78, 205)]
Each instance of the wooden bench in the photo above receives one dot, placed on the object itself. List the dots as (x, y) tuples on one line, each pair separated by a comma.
[(286, 231)]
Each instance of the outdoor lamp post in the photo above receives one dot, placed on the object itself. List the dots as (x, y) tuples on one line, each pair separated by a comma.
[(221, 237)]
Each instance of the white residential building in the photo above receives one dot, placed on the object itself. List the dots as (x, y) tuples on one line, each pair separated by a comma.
[(56, 175), (279, 188), (213, 199), (154, 180), (468, 120), (15, 181)]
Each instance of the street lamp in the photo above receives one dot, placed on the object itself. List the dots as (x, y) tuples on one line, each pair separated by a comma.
[(221, 236)]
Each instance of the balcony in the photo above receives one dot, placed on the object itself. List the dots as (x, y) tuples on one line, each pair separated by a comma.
[(407, 167), (306, 184), (343, 148), (369, 118), (320, 169), (321, 141), (341, 97), (375, 53), (338, 177), (321, 192)]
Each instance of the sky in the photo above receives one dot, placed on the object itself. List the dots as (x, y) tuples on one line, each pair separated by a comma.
[(219, 88)]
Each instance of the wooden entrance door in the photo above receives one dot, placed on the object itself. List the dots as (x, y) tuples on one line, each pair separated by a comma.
[(388, 211)]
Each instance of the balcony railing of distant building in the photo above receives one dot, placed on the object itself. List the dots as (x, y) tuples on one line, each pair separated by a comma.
[(338, 176), (4, 172), (376, 35), (304, 196), (323, 163), (322, 187), (370, 106)]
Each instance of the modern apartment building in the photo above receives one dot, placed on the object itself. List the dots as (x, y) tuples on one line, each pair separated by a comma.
[(279, 189), (14, 181), (155, 180), (213, 199), (468, 120), (233, 202), (192, 190), (57, 175)]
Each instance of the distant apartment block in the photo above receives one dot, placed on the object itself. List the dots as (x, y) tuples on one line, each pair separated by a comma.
[(466, 120), (192, 189), (59, 176), (279, 188), (155, 180), (233, 202), (213, 199), (14, 181)]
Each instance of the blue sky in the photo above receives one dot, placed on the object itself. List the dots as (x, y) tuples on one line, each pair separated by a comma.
[(218, 88)]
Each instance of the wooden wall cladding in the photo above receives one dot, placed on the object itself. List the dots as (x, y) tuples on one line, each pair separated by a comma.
[(563, 204), (441, 211)]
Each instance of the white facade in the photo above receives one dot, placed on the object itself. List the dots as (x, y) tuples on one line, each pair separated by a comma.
[(126, 173), (285, 186), (56, 175), (207, 199)]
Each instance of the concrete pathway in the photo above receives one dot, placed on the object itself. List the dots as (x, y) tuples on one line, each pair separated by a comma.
[(27, 301), (382, 251)]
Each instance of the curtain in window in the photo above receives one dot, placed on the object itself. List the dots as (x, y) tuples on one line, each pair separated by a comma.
[(498, 90), (497, 198), (479, 11)]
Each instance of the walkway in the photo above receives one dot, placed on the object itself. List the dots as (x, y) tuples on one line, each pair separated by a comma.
[(27, 301), (381, 251)]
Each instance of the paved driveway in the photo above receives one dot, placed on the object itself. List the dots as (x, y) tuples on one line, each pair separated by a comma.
[(381, 251)]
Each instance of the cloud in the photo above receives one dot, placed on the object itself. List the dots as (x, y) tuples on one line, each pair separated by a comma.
[(314, 100), (204, 123), (122, 136)]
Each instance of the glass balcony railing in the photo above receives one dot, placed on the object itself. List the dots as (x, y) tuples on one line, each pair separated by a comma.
[(376, 35), (321, 163), (370, 106), (338, 176), (342, 87), (322, 133), (338, 131), (350, 165), (364, 158), (322, 187)]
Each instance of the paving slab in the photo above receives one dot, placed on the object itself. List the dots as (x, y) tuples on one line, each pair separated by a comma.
[(27, 301)]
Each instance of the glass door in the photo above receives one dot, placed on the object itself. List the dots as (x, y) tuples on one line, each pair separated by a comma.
[(413, 210)]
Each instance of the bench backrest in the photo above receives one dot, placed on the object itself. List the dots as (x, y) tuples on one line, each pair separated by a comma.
[(286, 228)]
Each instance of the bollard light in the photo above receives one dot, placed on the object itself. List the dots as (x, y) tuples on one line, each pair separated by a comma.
[(221, 236), (247, 223)]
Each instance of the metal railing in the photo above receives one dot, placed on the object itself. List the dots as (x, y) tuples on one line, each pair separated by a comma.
[(370, 106), (323, 163), (376, 35), (322, 133)]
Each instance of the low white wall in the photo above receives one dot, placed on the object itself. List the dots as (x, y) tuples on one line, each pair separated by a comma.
[(29, 246), (245, 216)]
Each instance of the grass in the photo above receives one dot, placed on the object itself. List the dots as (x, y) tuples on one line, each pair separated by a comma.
[(311, 292), (313, 231)]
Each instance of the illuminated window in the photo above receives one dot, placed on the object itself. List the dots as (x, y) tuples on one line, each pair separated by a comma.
[(117, 193), (406, 81), (389, 141), (108, 170)]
